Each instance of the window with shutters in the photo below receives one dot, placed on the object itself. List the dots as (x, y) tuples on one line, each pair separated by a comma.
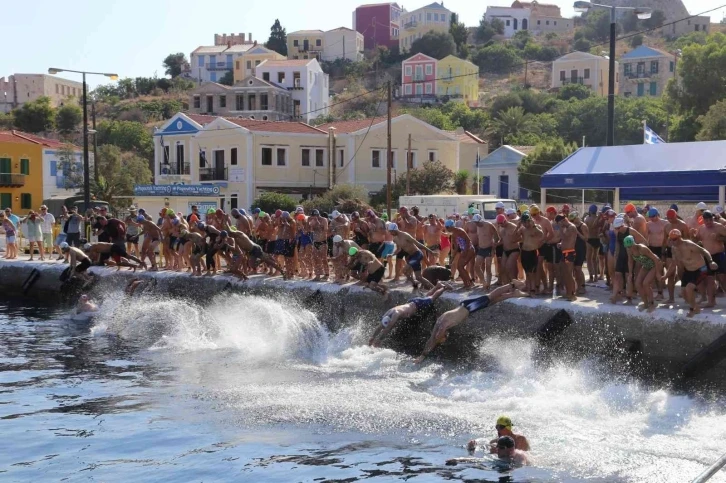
[(319, 158), (375, 158), (25, 166), (266, 156), (26, 201), (306, 157)]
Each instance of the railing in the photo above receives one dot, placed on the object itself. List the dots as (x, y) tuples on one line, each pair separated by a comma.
[(410, 25), (8, 179), (219, 66), (570, 80), (212, 174), (173, 170), (639, 75), (711, 470)]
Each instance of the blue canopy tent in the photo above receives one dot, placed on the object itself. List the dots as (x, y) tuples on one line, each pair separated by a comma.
[(657, 172)]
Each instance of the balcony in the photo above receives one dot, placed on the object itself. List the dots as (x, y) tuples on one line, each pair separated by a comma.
[(219, 66), (212, 174), (12, 180), (570, 80), (410, 25), (173, 170), (639, 75)]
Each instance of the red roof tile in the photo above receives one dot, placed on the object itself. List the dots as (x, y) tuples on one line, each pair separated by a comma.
[(262, 126), (352, 126), (467, 137), (10, 137), (51, 143), (27, 138)]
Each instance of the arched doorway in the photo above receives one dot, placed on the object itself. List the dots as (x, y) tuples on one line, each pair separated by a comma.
[(515, 24), (525, 24)]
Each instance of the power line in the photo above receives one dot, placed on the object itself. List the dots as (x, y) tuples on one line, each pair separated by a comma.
[(362, 141)]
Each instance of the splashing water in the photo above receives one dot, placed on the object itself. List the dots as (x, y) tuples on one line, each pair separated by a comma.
[(580, 422)]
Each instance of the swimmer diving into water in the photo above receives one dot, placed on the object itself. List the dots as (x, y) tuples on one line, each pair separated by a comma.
[(409, 309), (452, 318)]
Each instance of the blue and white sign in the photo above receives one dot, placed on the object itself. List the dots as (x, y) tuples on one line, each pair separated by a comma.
[(203, 206), (176, 190)]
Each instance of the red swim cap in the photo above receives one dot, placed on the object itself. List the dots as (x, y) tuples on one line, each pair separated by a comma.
[(501, 219), (551, 209), (671, 214), (278, 213), (565, 207)]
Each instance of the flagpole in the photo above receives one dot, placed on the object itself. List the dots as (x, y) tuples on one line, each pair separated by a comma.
[(645, 127), (478, 179)]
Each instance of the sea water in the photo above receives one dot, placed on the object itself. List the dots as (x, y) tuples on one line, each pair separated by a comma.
[(244, 388)]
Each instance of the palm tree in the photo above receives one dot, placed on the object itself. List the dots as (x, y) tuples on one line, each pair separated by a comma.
[(510, 122)]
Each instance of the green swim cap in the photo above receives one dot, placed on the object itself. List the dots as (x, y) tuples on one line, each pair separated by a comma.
[(262, 214), (169, 211), (525, 216), (352, 251), (471, 210), (211, 211), (384, 216), (629, 241)]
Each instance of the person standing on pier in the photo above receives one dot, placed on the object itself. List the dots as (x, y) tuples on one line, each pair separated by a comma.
[(488, 237), (532, 239), (712, 236), (412, 252)]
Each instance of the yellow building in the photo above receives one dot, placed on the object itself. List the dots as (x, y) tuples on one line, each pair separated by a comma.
[(245, 64), (305, 44), (21, 172), (418, 22), (586, 69), (458, 79)]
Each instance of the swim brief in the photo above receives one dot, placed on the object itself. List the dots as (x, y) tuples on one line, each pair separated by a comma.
[(475, 304), (594, 242), (376, 276), (484, 252), (529, 260), (694, 277), (414, 261)]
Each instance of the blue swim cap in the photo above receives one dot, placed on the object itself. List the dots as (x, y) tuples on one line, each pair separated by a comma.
[(449, 223), (242, 212), (201, 225), (674, 207), (606, 208), (142, 211), (223, 233), (175, 221), (593, 209), (652, 212), (140, 218), (256, 211)]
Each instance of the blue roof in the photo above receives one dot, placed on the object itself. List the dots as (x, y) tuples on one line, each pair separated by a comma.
[(643, 51), (651, 168)]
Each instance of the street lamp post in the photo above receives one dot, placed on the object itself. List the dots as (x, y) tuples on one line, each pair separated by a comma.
[(642, 13), (86, 163)]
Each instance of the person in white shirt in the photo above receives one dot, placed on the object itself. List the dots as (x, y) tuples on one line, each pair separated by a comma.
[(47, 226)]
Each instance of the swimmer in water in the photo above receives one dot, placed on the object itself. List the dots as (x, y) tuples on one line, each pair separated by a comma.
[(394, 315), (85, 305), (504, 428), (452, 318), (509, 454)]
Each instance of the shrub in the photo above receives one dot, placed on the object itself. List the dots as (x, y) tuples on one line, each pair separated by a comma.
[(271, 201)]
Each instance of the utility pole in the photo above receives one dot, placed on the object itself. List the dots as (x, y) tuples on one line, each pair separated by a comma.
[(408, 167), (526, 65), (95, 142), (389, 156), (610, 141)]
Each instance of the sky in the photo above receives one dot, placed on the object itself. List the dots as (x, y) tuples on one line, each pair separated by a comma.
[(132, 37)]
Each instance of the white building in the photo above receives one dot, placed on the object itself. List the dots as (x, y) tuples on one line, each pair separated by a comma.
[(211, 63), (499, 172), (514, 19), (342, 43), (305, 79)]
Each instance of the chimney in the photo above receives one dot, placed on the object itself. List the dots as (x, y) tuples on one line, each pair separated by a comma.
[(250, 34)]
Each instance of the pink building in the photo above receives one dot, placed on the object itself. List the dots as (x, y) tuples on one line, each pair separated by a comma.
[(418, 76), (379, 23)]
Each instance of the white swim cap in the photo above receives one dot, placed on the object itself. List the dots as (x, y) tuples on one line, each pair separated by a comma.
[(337, 239), (64, 246), (499, 205), (393, 227), (476, 218), (386, 320), (510, 211), (335, 214), (86, 247), (701, 206), (618, 222)]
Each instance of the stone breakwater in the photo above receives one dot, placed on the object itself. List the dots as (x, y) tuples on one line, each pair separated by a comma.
[(656, 344)]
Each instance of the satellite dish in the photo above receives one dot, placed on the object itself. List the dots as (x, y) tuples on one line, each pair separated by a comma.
[(165, 170), (264, 118), (252, 117)]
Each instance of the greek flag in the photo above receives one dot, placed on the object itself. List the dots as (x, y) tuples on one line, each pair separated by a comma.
[(650, 137)]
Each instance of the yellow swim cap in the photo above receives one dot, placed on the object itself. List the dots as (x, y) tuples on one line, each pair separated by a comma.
[(523, 208), (504, 421)]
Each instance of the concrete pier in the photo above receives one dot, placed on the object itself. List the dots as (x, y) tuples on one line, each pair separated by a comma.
[(657, 344)]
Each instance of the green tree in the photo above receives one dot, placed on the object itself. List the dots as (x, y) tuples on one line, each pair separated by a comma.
[(657, 19), (701, 70), (542, 159), (227, 79), (126, 135), (510, 123), (496, 58), (487, 30), (278, 39), (629, 21), (345, 198), (521, 39), (173, 63), (461, 115), (574, 91), (271, 201), (598, 26), (434, 117), (119, 173), (35, 116), (6, 121), (713, 123), (434, 44), (68, 118), (458, 32), (461, 178), (636, 41)]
